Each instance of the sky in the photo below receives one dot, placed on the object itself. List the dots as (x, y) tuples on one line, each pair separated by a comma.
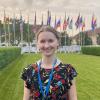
[(57, 7)]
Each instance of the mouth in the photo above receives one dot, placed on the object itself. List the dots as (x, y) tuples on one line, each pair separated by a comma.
[(48, 50)]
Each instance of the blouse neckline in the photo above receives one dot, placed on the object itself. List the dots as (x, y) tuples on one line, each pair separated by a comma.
[(57, 65)]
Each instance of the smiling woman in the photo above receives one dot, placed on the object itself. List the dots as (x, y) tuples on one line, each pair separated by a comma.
[(47, 40), (49, 78)]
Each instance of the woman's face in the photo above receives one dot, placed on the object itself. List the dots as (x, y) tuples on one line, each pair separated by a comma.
[(47, 43)]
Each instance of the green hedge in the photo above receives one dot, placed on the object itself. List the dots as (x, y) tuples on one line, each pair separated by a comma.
[(91, 50), (8, 54)]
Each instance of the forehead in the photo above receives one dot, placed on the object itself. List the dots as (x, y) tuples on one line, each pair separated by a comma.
[(47, 35)]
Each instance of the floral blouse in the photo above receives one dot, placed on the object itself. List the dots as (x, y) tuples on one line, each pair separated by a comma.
[(63, 75)]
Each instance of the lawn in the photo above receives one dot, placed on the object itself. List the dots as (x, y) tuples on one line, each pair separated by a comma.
[(87, 81)]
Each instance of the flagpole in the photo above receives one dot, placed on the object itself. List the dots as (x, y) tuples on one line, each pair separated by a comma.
[(21, 27), (79, 36), (60, 28), (28, 29), (8, 32), (42, 20), (68, 36), (14, 27), (60, 25), (35, 19), (0, 35), (0, 32), (68, 30), (72, 33), (65, 29), (4, 25), (82, 32), (28, 33)]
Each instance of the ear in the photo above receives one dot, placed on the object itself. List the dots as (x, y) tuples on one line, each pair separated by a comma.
[(57, 45), (37, 46)]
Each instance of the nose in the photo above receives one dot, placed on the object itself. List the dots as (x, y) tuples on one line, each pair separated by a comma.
[(46, 45)]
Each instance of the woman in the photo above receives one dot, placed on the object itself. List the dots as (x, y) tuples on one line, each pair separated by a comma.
[(49, 78)]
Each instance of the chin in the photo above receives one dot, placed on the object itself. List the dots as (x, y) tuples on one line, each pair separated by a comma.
[(48, 54)]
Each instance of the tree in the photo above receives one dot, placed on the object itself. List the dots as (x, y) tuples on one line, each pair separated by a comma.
[(65, 40), (98, 39), (87, 40)]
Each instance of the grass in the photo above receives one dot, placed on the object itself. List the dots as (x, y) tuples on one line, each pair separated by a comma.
[(87, 81)]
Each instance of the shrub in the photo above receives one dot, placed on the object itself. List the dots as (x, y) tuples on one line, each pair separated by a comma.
[(91, 50), (8, 54)]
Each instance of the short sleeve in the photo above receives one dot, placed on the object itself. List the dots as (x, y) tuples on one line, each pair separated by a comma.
[(71, 72), (26, 75)]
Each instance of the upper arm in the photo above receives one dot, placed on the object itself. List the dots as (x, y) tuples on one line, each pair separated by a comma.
[(26, 95), (26, 75), (72, 94)]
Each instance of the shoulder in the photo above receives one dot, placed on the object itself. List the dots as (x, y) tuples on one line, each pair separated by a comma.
[(70, 70), (28, 71), (27, 74)]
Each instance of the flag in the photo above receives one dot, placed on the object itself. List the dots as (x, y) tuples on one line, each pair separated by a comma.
[(55, 22), (77, 23), (6, 20), (68, 21), (93, 23), (80, 22), (4, 17), (83, 25), (35, 19), (49, 18), (65, 23), (42, 20), (71, 24), (58, 24), (21, 24)]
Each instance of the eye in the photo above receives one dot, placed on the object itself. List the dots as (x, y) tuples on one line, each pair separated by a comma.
[(42, 41), (50, 40)]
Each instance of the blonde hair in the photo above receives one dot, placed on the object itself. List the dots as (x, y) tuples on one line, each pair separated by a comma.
[(48, 29)]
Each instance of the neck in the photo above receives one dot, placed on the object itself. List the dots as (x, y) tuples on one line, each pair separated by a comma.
[(48, 61)]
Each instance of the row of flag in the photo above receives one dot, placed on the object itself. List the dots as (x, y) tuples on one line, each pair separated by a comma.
[(67, 23)]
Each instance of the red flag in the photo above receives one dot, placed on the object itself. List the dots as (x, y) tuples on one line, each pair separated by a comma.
[(65, 25), (83, 25)]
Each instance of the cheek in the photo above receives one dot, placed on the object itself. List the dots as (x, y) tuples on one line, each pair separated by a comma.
[(55, 45), (39, 45)]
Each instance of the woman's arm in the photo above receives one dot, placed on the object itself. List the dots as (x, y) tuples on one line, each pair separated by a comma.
[(26, 95), (72, 94)]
